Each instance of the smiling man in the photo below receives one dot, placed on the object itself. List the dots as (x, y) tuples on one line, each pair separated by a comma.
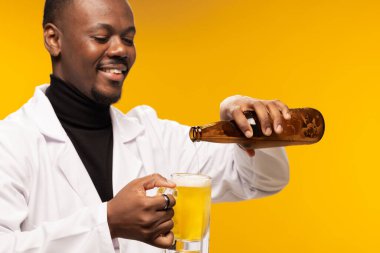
[(91, 44), (74, 170)]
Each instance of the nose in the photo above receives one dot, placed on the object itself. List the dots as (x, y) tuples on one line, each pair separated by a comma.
[(117, 48)]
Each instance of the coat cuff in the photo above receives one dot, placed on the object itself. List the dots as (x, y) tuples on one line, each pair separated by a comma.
[(267, 171)]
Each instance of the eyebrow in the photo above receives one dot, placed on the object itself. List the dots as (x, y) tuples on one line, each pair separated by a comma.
[(130, 29)]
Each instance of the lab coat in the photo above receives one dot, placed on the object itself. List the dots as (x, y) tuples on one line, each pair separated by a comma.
[(48, 202)]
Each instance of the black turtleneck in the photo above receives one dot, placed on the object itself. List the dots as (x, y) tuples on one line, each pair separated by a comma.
[(89, 127)]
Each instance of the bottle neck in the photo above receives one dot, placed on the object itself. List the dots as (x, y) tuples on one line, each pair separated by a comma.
[(195, 133)]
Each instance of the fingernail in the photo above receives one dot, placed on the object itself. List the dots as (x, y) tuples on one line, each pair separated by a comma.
[(233, 108), (279, 129), (170, 182), (268, 131), (248, 134), (287, 115)]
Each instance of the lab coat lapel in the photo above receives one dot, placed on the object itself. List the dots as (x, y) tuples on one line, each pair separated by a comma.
[(126, 167), (146, 153), (126, 163), (61, 148), (75, 172)]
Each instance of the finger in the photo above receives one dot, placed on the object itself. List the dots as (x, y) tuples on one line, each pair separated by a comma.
[(276, 117), (284, 109), (164, 228), (164, 241), (242, 122), (156, 180), (159, 202), (262, 114), (227, 106), (165, 215), (230, 111), (162, 217)]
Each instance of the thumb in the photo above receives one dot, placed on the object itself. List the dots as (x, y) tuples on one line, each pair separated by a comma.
[(156, 180)]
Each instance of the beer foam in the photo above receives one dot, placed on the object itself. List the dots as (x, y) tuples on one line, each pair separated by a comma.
[(191, 180)]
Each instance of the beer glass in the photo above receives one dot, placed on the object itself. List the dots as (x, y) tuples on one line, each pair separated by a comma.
[(191, 213)]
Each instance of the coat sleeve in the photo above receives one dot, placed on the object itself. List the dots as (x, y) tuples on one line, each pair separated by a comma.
[(235, 175), (84, 231)]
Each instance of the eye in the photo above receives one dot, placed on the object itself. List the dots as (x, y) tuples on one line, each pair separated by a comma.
[(101, 39), (128, 41)]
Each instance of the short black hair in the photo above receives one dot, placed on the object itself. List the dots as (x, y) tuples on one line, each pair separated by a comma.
[(52, 10)]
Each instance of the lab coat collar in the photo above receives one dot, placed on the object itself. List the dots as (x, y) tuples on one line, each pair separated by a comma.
[(126, 128), (43, 113)]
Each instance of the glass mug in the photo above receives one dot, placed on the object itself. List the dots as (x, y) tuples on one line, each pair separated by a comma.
[(191, 212)]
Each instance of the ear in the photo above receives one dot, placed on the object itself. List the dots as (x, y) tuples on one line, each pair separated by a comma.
[(52, 39)]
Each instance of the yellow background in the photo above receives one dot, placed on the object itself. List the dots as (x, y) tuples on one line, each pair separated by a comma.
[(192, 54)]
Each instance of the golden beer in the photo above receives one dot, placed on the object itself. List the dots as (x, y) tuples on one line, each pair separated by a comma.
[(192, 209)]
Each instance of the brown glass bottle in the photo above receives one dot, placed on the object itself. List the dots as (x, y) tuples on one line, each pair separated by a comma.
[(306, 126)]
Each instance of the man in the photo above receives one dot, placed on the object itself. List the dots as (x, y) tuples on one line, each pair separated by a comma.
[(74, 171)]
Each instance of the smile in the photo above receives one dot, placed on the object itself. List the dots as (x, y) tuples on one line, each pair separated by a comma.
[(115, 74), (113, 71)]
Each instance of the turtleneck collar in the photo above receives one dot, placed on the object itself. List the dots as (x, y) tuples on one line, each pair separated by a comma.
[(75, 109)]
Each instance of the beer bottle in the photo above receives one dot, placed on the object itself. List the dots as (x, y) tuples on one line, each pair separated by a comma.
[(306, 126)]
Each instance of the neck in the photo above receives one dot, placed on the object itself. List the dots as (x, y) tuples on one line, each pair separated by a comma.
[(74, 108)]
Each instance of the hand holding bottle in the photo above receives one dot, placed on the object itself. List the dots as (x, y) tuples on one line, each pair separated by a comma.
[(271, 114)]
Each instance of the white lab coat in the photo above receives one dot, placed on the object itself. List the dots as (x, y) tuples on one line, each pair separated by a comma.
[(48, 202)]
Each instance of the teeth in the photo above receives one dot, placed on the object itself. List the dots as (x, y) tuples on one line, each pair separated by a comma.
[(113, 71)]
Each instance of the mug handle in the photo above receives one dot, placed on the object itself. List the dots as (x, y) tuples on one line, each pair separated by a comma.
[(164, 190)]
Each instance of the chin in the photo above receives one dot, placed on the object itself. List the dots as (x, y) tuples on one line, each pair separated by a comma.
[(105, 98)]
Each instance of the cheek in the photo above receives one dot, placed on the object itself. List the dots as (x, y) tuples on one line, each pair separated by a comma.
[(79, 54), (88, 55), (92, 48), (132, 56), (91, 51)]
